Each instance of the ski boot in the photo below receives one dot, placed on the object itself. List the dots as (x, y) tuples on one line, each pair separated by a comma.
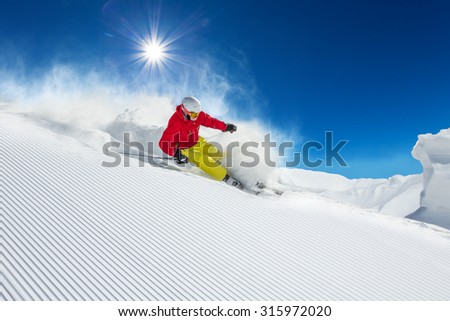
[(231, 181)]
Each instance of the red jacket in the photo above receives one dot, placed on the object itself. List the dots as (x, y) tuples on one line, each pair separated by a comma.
[(183, 133)]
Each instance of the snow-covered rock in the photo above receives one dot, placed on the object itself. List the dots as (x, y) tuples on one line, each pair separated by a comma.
[(433, 151)]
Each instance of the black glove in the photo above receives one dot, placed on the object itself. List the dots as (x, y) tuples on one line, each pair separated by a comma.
[(231, 128), (180, 158)]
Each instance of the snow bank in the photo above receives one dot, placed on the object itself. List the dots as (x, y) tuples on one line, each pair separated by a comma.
[(396, 196), (433, 151)]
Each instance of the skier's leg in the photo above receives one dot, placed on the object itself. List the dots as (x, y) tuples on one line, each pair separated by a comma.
[(210, 152), (206, 163), (210, 149)]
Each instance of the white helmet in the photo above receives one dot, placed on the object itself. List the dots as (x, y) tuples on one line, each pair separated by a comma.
[(192, 104)]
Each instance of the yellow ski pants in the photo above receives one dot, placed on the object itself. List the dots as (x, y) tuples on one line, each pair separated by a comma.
[(206, 156)]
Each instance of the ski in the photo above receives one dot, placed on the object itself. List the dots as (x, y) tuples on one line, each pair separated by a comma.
[(259, 189), (158, 161), (264, 187)]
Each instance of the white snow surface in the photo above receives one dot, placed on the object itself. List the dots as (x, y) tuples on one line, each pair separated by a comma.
[(74, 230), (433, 151)]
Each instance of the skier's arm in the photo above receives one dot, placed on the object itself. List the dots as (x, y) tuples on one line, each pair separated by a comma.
[(212, 122)]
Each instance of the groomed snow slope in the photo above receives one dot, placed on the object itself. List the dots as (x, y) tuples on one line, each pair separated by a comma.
[(74, 230)]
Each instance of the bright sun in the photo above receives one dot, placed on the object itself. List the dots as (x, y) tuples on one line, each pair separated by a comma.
[(154, 52)]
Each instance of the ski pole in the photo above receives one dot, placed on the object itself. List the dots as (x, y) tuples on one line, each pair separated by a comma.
[(209, 138), (150, 156)]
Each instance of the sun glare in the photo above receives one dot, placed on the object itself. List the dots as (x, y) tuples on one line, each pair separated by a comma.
[(154, 52), (152, 48)]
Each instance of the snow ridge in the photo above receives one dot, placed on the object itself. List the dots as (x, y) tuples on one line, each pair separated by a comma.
[(397, 196)]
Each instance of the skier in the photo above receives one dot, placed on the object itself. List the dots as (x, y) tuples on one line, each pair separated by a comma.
[(182, 141)]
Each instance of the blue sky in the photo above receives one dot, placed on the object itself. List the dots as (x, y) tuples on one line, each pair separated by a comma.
[(376, 73)]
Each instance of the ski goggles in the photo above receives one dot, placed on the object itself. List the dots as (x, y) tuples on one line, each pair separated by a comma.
[(192, 115)]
